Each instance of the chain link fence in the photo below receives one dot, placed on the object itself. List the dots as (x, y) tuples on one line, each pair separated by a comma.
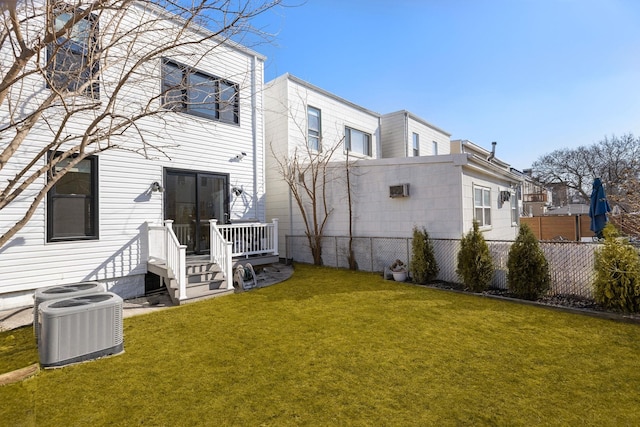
[(571, 264)]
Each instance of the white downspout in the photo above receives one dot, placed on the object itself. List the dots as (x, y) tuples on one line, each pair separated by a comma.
[(406, 134), (379, 139), (254, 135)]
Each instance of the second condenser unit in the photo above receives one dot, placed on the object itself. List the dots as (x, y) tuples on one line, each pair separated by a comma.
[(61, 291)]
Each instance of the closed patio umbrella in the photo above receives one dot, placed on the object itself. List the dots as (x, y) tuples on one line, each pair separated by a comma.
[(599, 208)]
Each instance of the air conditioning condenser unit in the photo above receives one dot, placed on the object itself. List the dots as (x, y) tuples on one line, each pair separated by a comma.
[(81, 328), (61, 291)]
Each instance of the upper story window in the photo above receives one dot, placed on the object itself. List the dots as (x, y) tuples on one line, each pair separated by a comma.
[(416, 144), (314, 128), (482, 205), (72, 203), (74, 58), (434, 148), (357, 141), (193, 92)]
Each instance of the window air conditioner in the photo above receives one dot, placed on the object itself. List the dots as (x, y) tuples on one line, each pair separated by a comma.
[(62, 291), (81, 328), (400, 190)]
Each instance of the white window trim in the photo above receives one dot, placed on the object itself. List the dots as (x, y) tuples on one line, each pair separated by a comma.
[(482, 223), (351, 152), (515, 206), (415, 144), (319, 130)]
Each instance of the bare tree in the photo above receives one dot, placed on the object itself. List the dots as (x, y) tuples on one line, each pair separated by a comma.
[(351, 257), (75, 77), (306, 173), (626, 211), (610, 159)]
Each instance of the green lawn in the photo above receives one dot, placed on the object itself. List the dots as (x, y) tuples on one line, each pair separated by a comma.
[(333, 347)]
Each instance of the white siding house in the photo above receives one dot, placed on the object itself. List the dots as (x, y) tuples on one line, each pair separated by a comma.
[(203, 168), (288, 101), (448, 184)]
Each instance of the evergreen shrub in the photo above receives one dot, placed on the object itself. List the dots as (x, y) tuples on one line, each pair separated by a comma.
[(528, 274), (617, 264), (424, 267), (475, 266)]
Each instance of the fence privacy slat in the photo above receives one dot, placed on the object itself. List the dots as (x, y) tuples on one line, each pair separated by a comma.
[(571, 264), (559, 227)]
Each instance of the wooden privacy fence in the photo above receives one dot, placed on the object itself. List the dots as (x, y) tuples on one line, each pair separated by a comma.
[(571, 264), (559, 227)]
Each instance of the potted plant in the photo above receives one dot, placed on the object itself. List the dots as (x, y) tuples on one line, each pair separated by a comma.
[(399, 271)]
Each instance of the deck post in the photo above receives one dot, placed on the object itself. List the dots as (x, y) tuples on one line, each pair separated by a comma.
[(275, 235)]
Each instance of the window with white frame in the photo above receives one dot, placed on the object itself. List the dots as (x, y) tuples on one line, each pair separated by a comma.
[(514, 208), (194, 92), (357, 141), (434, 148), (314, 129), (416, 144), (482, 205), (74, 57)]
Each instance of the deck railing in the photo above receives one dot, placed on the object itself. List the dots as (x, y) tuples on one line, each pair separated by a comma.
[(251, 238), (165, 246), (226, 241), (176, 259), (220, 252)]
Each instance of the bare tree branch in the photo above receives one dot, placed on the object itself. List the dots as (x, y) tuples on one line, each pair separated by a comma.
[(56, 100)]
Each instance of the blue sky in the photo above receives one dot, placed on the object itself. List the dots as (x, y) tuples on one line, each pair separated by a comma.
[(533, 75)]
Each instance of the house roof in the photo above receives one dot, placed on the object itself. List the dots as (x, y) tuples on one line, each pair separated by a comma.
[(160, 11), (306, 84), (417, 119)]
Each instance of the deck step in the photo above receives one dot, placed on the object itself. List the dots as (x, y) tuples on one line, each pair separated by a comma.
[(204, 280)]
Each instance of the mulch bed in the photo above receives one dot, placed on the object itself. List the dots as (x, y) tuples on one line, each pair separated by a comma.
[(566, 302)]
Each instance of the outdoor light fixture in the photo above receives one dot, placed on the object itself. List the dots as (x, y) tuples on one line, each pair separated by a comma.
[(237, 191), (241, 156), (155, 186)]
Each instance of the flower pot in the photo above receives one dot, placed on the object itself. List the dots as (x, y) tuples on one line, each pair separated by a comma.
[(399, 276)]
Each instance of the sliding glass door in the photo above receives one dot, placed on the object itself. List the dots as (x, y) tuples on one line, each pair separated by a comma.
[(192, 199)]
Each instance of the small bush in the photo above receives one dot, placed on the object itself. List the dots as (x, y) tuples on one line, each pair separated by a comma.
[(617, 284), (528, 275), (475, 265), (424, 267)]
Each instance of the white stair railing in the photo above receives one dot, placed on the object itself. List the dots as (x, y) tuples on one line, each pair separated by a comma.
[(220, 252), (176, 258)]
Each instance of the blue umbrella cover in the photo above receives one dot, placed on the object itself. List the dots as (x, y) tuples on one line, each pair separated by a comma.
[(598, 208)]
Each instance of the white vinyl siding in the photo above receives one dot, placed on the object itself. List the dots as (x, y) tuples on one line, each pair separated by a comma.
[(126, 202), (397, 136)]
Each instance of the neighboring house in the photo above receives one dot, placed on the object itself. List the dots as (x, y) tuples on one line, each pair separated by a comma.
[(213, 169), (536, 198), (298, 113), (392, 192)]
